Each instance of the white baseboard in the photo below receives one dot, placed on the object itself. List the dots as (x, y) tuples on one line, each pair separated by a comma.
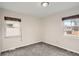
[(63, 47), (13, 48), (44, 42)]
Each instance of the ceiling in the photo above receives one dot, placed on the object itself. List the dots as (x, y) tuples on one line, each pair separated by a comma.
[(35, 8)]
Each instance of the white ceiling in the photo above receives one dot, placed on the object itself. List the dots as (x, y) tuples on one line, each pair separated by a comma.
[(35, 8)]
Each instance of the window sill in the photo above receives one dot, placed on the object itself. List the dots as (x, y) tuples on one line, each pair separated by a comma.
[(71, 36), (11, 36)]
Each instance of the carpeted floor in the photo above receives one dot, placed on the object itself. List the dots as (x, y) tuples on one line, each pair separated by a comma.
[(39, 49)]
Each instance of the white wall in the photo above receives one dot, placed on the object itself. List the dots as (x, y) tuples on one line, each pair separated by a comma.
[(30, 27), (0, 35), (54, 31), (0, 32), (49, 30)]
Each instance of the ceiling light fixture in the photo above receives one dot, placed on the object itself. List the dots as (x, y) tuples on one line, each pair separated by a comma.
[(45, 4)]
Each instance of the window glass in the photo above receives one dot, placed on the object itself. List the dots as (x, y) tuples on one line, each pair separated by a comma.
[(12, 28), (71, 27)]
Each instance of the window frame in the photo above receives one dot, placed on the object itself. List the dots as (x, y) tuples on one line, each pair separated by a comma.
[(12, 19), (73, 17)]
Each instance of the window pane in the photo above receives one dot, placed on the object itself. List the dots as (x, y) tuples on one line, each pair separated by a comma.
[(12, 28), (71, 27), (67, 22)]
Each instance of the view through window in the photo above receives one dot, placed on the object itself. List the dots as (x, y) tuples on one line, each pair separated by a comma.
[(71, 25), (12, 27)]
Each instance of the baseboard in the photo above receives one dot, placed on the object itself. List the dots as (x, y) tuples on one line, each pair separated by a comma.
[(45, 43), (13, 48), (62, 47)]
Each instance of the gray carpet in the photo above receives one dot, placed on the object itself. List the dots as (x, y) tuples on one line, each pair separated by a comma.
[(39, 49)]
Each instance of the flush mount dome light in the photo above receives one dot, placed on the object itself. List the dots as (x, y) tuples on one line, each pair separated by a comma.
[(45, 4)]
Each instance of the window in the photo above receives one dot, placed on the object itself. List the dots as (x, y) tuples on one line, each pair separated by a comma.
[(12, 26), (71, 25)]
